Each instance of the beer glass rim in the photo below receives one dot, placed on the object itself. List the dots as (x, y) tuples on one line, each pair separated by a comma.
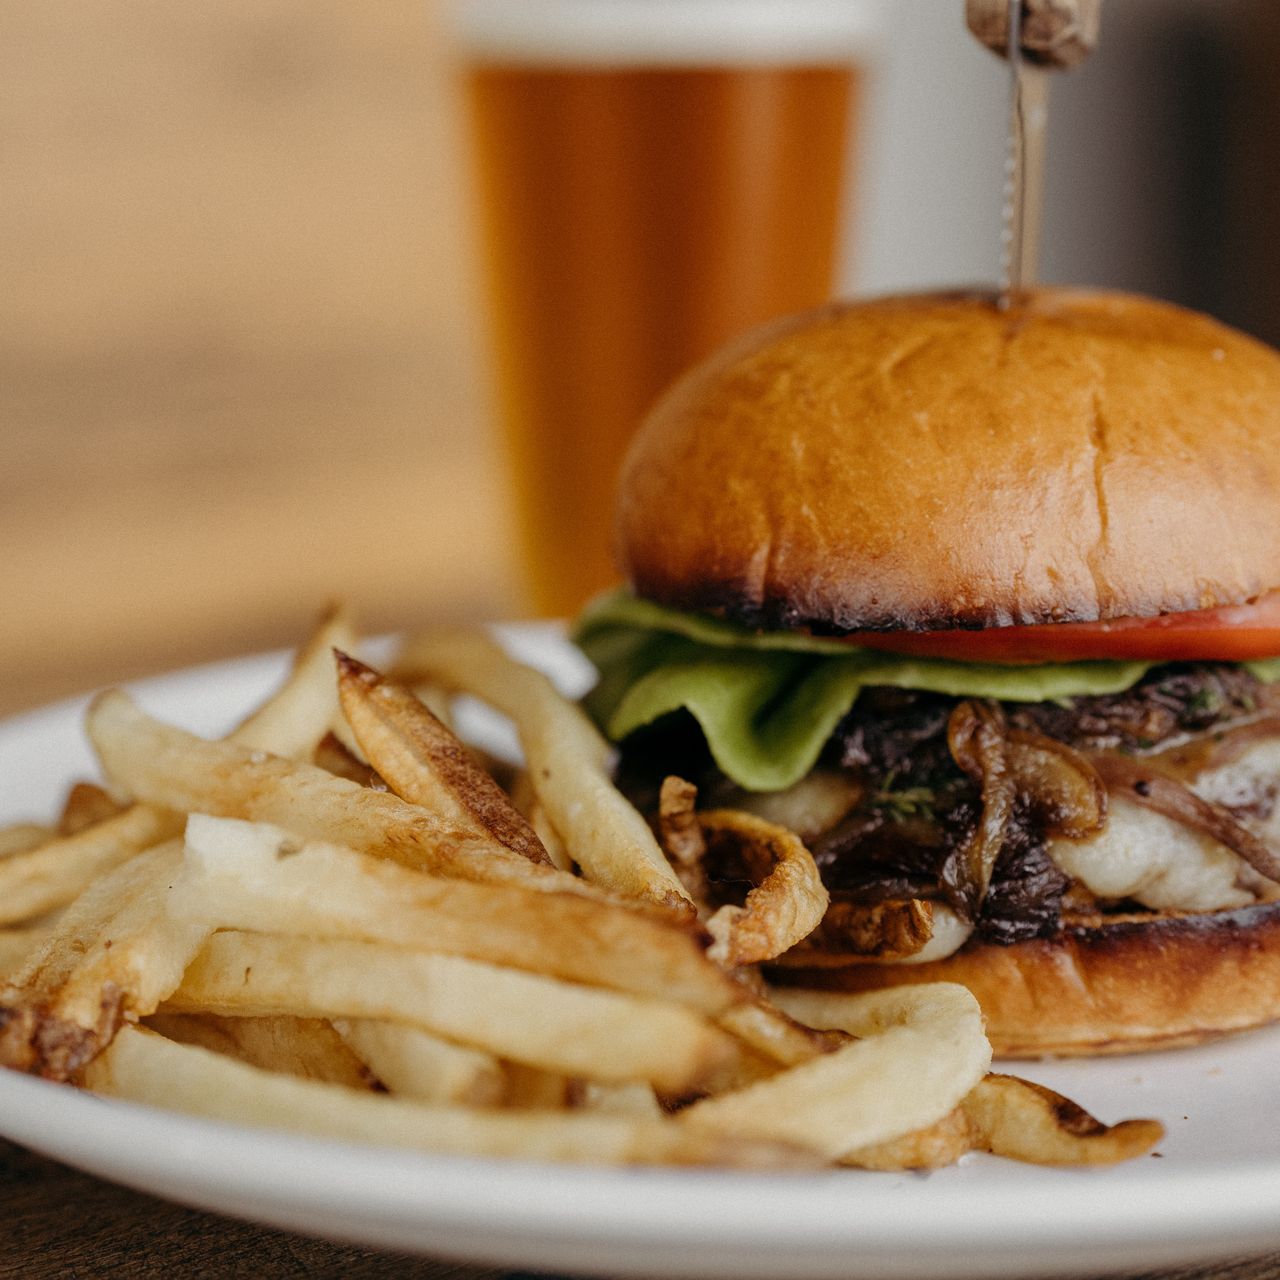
[(666, 32)]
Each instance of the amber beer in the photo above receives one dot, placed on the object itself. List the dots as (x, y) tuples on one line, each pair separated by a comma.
[(648, 191)]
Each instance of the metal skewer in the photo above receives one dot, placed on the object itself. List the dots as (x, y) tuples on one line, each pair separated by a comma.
[(1033, 35), (1024, 166), (1011, 208)]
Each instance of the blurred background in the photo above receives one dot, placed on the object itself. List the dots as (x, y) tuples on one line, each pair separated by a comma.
[(244, 352)]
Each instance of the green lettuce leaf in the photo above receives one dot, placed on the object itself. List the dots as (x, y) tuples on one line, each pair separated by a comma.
[(768, 702)]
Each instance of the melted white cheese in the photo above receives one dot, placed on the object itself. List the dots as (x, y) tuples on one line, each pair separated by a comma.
[(1166, 865), (950, 933), (1155, 860), (1256, 774), (1159, 862)]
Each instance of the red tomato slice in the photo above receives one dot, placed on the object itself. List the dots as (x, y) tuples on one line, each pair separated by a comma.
[(1231, 634)]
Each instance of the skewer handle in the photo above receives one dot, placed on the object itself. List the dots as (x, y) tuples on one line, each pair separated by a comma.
[(1055, 33)]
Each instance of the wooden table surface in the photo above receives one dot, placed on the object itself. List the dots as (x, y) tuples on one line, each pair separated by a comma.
[(242, 368)]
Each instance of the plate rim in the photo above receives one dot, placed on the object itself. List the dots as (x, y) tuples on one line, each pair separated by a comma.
[(1139, 1218)]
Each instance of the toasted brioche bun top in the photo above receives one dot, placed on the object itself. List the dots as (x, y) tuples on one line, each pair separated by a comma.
[(932, 462)]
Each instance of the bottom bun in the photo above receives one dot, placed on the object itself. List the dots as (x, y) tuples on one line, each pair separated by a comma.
[(1106, 985)]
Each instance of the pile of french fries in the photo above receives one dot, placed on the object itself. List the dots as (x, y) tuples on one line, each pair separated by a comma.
[(339, 920)]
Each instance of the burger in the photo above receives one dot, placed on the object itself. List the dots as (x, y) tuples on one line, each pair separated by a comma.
[(983, 602)]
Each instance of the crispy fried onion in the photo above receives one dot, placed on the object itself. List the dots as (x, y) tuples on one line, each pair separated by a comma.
[(1020, 1120), (1059, 785), (680, 834), (1138, 781), (786, 899), (886, 932)]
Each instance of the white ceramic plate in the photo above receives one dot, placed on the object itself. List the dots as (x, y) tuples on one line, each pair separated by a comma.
[(1214, 1191)]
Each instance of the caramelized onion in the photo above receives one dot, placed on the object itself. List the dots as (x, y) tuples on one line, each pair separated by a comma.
[(976, 739), (1190, 758), (1138, 781), (1062, 786)]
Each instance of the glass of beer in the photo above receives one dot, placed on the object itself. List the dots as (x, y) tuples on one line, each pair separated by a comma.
[(655, 176)]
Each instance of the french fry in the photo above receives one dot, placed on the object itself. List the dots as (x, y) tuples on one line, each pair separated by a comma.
[(922, 1050), (539, 1021), (22, 837), (331, 756), (145, 1067), (534, 1087), (305, 707), (567, 760), (236, 878), (773, 1035), (166, 766), (1015, 1118), (115, 953), (550, 837), (420, 1065), (308, 1048), (16, 946), (315, 938), (86, 804), (633, 1099), (526, 802), (423, 762), (55, 872), (933, 1147), (436, 699), (97, 835)]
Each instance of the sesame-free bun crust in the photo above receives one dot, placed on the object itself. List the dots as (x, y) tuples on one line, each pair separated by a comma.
[(932, 462), (1106, 985)]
